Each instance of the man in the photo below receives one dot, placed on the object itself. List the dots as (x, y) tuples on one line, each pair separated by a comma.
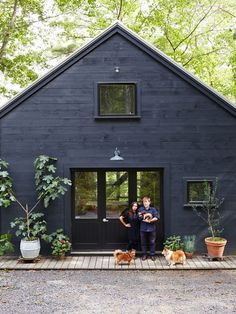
[(148, 217)]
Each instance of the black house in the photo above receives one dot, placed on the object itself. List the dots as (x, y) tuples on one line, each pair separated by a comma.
[(172, 131)]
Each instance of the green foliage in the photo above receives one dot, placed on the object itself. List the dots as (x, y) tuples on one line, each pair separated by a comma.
[(200, 35), (173, 243), (60, 243), (30, 229), (49, 187), (209, 211), (6, 245), (6, 196), (189, 243)]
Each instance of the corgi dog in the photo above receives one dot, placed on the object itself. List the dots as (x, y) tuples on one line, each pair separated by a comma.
[(174, 257), (121, 257)]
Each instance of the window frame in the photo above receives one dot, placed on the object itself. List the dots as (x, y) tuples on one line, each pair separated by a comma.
[(188, 180), (120, 116)]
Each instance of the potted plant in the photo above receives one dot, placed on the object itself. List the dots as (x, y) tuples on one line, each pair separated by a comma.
[(60, 243), (173, 243), (48, 186), (189, 245), (209, 211), (6, 245), (30, 230)]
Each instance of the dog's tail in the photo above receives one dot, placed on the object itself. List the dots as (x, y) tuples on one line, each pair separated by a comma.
[(116, 252)]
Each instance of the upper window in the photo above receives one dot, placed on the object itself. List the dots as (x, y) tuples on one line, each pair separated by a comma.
[(196, 191), (117, 99)]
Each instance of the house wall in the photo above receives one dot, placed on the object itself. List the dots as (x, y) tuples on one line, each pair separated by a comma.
[(180, 130)]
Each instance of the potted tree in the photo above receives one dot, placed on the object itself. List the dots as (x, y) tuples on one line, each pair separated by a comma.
[(209, 211), (48, 186)]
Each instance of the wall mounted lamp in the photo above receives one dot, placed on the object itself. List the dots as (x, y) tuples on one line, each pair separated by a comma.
[(117, 69), (117, 155)]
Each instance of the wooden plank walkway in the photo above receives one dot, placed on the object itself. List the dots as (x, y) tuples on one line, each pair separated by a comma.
[(82, 262)]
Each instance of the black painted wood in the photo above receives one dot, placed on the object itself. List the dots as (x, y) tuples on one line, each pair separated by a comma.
[(183, 130)]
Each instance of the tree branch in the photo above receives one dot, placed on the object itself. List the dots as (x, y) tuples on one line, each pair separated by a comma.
[(119, 10), (195, 27), (6, 37), (201, 55)]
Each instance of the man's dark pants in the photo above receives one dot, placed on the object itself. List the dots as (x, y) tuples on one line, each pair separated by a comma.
[(148, 238)]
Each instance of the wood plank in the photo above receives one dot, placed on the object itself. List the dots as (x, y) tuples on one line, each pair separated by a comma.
[(99, 262), (92, 262), (86, 262), (79, 262), (73, 262), (105, 262)]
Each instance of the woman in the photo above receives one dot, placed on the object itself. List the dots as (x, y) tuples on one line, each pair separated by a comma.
[(129, 218)]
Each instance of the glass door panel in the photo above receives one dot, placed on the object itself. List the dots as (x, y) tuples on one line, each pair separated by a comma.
[(117, 195), (148, 184), (86, 206)]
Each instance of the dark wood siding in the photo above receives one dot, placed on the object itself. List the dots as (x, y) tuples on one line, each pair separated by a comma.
[(181, 130)]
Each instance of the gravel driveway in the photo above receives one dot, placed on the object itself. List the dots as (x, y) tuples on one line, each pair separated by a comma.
[(117, 292)]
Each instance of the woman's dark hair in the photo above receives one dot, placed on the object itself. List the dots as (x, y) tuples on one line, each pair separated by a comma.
[(135, 202)]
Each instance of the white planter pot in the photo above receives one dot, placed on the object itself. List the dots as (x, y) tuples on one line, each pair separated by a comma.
[(30, 249)]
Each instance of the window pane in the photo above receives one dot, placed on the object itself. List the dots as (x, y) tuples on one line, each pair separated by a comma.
[(117, 99), (196, 191), (116, 193), (148, 184), (85, 185)]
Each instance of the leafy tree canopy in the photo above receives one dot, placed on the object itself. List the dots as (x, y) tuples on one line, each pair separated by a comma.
[(199, 34)]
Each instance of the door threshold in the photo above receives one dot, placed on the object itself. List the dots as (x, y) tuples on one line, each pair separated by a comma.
[(74, 252), (102, 253)]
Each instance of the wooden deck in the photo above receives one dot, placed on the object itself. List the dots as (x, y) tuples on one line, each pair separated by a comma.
[(107, 263)]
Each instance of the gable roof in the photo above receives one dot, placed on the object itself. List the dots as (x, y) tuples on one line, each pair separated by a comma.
[(119, 28)]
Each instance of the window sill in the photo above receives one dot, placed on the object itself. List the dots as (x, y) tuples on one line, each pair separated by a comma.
[(117, 117), (193, 204)]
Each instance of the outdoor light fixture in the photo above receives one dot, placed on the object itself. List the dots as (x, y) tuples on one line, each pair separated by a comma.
[(116, 155), (117, 69)]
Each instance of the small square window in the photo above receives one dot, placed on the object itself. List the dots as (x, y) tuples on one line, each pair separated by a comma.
[(195, 191), (117, 99)]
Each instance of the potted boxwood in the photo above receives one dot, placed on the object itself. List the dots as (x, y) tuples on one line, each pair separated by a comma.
[(209, 211), (48, 186)]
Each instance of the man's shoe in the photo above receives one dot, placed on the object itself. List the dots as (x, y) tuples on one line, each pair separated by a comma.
[(144, 257), (153, 258)]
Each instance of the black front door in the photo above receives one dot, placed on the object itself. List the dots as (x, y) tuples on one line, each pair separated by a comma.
[(99, 196)]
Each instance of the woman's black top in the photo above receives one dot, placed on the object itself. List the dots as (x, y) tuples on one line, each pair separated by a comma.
[(131, 218)]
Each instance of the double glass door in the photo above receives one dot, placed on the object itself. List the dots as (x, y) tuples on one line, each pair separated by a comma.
[(99, 196)]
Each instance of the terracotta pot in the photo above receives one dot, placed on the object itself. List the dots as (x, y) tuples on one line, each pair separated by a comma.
[(60, 257), (188, 254), (215, 248)]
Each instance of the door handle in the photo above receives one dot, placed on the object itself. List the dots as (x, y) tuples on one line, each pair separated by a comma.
[(105, 220)]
